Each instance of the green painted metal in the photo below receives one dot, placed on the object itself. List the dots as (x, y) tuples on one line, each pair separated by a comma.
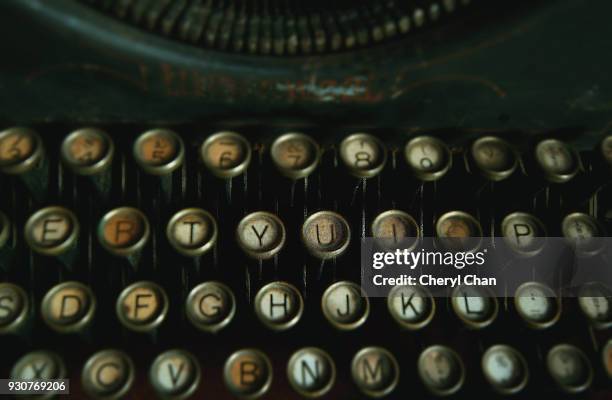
[(532, 66)]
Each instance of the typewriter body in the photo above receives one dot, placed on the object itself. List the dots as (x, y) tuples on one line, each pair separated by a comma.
[(184, 187)]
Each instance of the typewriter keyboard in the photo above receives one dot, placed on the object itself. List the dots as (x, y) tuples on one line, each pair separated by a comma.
[(191, 262)]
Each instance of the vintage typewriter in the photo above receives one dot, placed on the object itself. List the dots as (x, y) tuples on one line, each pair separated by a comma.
[(185, 186)]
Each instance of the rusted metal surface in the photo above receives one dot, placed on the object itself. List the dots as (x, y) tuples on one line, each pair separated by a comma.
[(542, 66)]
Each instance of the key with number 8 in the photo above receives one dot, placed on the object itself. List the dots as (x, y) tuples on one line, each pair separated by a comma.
[(363, 154)]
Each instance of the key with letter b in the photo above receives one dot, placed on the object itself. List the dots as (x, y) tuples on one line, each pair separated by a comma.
[(248, 373)]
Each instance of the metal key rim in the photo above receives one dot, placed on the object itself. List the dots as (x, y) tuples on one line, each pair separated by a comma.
[(227, 372), (595, 323), (193, 251), (568, 219), (96, 167), (461, 215), (15, 324), (332, 375), (59, 364), (605, 143), (536, 221), (191, 386), (461, 378), (350, 325), (129, 250), (302, 172), (167, 167), (446, 153), (402, 214), (526, 318), (559, 177), (57, 360), (32, 160), (491, 174), (523, 365), (156, 321), (487, 294), (285, 325), (380, 165), (583, 358), (127, 383), (66, 244), (413, 326), (325, 254), (213, 328), (279, 243), (229, 172), (395, 365), (75, 326)]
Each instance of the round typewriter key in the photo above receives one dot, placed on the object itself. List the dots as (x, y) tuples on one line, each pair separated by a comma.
[(108, 374), (226, 154), (557, 160), (523, 233), (607, 358), (14, 308), (39, 365), (295, 155), (459, 230), (211, 306), (345, 305), (52, 231), (22, 154), (595, 300), (583, 231), (142, 306), (428, 158), (606, 149), (326, 234), (412, 307), (248, 373), (175, 374), (123, 231), (192, 232), (375, 371), (311, 372), (505, 369), (261, 235), (87, 151), (441, 370), (570, 368), (537, 305), (394, 227), (475, 306), (495, 158), (363, 154), (68, 307), (279, 305), (21, 150), (159, 151)]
